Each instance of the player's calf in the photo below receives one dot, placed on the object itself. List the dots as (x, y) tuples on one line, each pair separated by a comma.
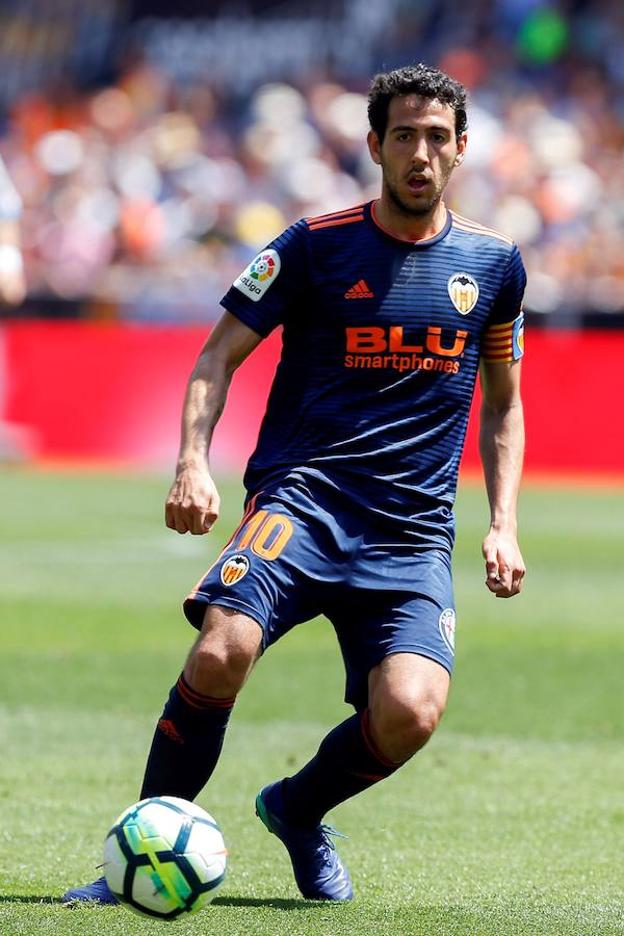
[(189, 735)]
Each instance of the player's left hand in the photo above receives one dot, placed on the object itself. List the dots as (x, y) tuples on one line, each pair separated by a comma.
[(504, 565)]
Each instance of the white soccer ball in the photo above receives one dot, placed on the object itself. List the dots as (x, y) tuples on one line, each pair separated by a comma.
[(164, 857)]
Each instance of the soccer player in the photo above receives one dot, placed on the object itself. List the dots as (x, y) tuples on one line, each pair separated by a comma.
[(388, 310)]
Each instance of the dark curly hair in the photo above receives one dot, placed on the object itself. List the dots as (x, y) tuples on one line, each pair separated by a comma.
[(421, 79)]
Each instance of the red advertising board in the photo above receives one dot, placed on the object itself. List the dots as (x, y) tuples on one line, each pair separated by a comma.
[(112, 392)]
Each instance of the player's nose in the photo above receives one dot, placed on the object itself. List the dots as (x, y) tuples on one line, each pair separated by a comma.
[(420, 155)]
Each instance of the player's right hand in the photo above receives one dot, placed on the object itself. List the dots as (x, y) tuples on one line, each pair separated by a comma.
[(193, 502)]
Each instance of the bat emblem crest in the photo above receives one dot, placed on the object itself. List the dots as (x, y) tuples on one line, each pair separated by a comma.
[(233, 569), (464, 292)]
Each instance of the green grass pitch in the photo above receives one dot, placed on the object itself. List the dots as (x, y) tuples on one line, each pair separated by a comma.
[(511, 821)]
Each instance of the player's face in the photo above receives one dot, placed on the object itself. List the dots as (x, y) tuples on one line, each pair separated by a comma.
[(418, 153)]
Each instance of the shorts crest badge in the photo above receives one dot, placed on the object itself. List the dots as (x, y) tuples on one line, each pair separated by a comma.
[(234, 569), (464, 292), (447, 628)]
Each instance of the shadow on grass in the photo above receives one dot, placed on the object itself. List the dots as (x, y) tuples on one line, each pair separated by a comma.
[(278, 903), (29, 899)]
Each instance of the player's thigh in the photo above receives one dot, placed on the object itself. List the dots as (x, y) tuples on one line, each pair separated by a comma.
[(373, 626)]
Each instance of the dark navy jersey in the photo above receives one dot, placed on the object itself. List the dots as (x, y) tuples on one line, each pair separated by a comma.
[(381, 345)]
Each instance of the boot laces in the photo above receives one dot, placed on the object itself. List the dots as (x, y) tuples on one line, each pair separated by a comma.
[(326, 845)]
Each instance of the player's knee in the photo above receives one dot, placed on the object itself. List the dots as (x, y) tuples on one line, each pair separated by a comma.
[(217, 670), (224, 653), (403, 724)]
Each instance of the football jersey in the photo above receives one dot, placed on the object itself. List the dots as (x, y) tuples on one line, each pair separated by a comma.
[(382, 339)]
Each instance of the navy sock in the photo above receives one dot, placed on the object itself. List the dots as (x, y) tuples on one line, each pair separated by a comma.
[(187, 743), (346, 763)]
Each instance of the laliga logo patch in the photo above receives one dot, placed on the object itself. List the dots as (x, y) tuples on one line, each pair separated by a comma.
[(259, 275), (447, 628), (464, 292), (264, 266), (234, 569)]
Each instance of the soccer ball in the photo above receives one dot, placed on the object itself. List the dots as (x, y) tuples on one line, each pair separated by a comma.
[(164, 857)]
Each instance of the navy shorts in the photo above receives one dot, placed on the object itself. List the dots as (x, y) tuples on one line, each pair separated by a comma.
[(293, 558)]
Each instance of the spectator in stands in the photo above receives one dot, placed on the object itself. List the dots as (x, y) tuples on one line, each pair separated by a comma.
[(12, 283), (144, 197), (13, 439)]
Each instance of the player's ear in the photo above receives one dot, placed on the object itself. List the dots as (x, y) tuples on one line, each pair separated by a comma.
[(374, 146), (461, 149)]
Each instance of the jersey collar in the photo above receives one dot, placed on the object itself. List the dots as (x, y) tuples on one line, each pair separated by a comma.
[(417, 245)]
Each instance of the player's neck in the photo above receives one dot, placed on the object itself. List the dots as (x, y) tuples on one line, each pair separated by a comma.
[(408, 227)]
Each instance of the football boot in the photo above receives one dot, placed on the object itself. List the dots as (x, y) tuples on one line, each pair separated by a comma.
[(319, 872), (97, 892)]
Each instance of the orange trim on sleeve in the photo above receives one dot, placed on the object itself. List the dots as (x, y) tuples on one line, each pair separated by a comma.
[(335, 222), (474, 227), (336, 214)]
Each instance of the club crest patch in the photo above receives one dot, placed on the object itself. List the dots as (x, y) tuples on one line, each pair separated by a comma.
[(447, 628), (234, 569), (464, 292), (259, 275)]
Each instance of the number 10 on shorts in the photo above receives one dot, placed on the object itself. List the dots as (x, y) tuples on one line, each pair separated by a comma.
[(266, 534)]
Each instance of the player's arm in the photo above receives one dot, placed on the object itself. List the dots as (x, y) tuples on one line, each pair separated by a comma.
[(501, 443), (192, 504)]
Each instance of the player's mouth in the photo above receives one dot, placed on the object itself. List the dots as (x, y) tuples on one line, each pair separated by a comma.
[(417, 184)]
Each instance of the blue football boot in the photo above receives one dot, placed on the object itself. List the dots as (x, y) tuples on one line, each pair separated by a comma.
[(319, 872), (97, 892)]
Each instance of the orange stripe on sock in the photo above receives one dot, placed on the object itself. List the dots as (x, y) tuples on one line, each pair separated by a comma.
[(199, 700), (370, 743), (374, 778)]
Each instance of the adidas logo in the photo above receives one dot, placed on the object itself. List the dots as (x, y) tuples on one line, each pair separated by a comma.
[(360, 290), (169, 729)]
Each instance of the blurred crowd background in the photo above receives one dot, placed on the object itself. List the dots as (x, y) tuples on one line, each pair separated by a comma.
[(155, 150)]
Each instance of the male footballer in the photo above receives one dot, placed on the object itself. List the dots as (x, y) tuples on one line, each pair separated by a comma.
[(388, 311)]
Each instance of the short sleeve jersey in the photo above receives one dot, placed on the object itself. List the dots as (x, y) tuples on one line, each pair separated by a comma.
[(381, 346)]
